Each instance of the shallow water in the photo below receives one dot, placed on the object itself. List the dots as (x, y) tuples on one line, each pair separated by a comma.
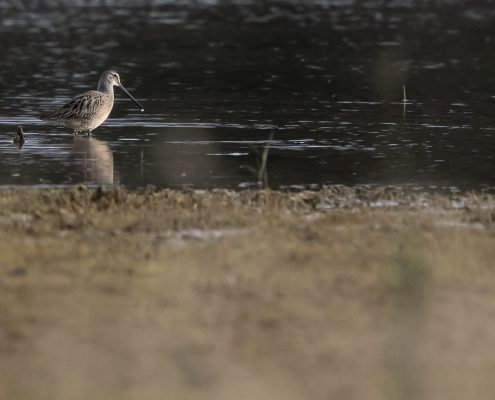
[(289, 94)]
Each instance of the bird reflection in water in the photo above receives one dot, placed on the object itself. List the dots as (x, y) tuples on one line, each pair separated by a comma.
[(97, 159)]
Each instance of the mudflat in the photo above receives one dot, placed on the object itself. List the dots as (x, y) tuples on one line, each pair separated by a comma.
[(341, 293)]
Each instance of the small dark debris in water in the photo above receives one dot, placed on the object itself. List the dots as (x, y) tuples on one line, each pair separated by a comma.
[(19, 137)]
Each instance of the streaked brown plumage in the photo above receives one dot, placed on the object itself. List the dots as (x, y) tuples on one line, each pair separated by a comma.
[(89, 110)]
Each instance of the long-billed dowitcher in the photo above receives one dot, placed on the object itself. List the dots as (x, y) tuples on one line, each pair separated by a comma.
[(89, 110)]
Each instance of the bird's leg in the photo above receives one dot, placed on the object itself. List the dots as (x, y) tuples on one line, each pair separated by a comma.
[(89, 133), (75, 132)]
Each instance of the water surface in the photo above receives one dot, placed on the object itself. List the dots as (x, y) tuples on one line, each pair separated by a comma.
[(289, 94)]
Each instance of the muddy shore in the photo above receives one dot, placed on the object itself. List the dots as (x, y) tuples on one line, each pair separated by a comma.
[(342, 293)]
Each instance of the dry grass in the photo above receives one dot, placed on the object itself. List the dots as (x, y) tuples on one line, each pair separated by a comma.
[(341, 293)]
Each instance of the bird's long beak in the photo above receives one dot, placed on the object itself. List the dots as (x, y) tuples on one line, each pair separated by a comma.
[(130, 96)]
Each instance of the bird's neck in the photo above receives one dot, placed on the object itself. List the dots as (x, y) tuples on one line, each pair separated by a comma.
[(105, 87)]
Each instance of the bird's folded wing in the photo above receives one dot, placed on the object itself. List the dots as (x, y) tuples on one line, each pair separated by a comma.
[(82, 106)]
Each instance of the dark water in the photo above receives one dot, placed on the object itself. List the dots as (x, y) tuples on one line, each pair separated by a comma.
[(238, 94)]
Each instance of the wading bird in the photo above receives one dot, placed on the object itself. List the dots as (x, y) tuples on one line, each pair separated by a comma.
[(86, 112)]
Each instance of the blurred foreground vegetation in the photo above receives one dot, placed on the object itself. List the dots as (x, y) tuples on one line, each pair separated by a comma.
[(340, 293)]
